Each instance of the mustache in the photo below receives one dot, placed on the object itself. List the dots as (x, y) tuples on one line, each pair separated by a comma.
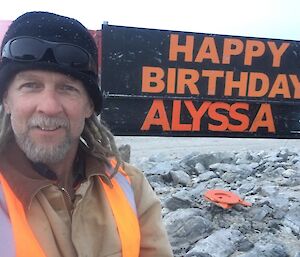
[(46, 121)]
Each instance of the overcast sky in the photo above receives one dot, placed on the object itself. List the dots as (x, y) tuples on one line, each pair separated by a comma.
[(258, 18)]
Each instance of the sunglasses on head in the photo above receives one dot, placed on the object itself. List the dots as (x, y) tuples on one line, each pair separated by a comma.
[(30, 49)]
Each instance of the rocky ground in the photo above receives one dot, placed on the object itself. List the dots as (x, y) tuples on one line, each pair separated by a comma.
[(268, 179)]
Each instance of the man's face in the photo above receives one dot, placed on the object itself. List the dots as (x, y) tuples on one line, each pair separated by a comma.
[(48, 112)]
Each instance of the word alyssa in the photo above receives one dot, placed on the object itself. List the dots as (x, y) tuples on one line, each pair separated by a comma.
[(211, 116)]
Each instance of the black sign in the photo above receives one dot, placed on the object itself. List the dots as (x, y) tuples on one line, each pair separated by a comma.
[(168, 83)]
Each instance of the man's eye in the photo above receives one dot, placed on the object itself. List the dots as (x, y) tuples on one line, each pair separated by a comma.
[(29, 86), (69, 88)]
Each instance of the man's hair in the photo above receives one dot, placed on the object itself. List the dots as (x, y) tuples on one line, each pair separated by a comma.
[(6, 132), (97, 138)]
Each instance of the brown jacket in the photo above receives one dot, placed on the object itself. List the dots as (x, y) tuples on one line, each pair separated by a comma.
[(84, 227)]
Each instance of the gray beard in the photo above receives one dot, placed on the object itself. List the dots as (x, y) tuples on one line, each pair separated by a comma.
[(48, 154), (44, 154)]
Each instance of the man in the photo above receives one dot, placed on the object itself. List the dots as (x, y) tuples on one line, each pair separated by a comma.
[(64, 190)]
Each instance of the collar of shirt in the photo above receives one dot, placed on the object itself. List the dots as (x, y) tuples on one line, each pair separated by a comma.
[(26, 179)]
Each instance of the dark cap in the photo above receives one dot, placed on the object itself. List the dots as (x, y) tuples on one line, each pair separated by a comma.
[(57, 29)]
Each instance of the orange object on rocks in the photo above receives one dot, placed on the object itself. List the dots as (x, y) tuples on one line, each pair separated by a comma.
[(224, 199)]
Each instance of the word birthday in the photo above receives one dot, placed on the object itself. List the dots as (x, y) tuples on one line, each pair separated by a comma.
[(249, 84)]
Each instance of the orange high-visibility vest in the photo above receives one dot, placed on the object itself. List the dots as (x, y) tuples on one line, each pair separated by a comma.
[(17, 238)]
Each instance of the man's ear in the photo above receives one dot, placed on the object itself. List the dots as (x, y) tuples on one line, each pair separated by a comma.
[(5, 103), (90, 109)]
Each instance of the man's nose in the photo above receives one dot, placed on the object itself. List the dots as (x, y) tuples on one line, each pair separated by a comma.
[(50, 103)]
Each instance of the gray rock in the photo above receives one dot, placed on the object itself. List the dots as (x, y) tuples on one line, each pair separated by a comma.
[(269, 190), (207, 175), (186, 226), (246, 187), (293, 180), (284, 154), (243, 158), (155, 179), (220, 168), (160, 189), (280, 205), (244, 245), (260, 213), (222, 243), (269, 170), (178, 200), (279, 171), (216, 183), (243, 225), (263, 249), (232, 173), (125, 152), (288, 173), (292, 219), (199, 168), (197, 192), (208, 159), (237, 171), (159, 168), (180, 177)]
